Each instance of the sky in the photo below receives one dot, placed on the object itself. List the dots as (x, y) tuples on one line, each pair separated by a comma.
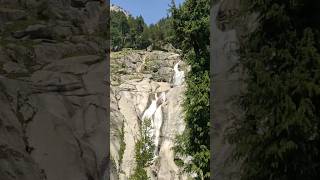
[(151, 10)]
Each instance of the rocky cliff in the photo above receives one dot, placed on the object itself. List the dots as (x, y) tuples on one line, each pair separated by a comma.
[(116, 8), (53, 115), (229, 27), (146, 85)]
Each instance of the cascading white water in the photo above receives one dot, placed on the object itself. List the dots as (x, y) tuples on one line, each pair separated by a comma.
[(154, 113), (157, 127), (151, 109), (148, 114), (178, 77), (158, 119)]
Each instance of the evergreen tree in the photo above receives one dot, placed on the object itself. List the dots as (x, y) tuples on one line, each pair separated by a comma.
[(191, 31), (133, 32), (119, 29), (278, 138)]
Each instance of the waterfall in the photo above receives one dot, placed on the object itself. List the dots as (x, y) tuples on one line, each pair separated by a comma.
[(178, 77), (148, 114), (151, 109), (154, 113), (157, 127)]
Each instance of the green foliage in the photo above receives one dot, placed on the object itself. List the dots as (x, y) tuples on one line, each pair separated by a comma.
[(191, 25), (134, 33), (128, 31), (278, 138), (191, 32), (162, 32), (119, 28), (144, 149), (139, 174)]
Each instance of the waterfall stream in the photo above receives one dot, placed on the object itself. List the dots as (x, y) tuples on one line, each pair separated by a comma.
[(146, 113), (178, 77), (151, 109), (157, 128), (154, 111)]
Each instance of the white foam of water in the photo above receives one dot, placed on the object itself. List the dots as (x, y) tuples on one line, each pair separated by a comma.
[(178, 77), (157, 127), (154, 113), (151, 109)]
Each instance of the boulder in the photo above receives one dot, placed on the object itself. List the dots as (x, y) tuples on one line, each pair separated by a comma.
[(168, 47), (150, 48)]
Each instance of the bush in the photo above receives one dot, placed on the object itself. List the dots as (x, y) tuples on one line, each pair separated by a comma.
[(144, 149)]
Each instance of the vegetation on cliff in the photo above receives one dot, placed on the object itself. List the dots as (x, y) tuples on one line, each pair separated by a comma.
[(144, 149), (278, 138), (191, 32)]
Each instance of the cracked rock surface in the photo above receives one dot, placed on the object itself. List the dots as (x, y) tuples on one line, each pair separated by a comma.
[(230, 27), (53, 100), (137, 76)]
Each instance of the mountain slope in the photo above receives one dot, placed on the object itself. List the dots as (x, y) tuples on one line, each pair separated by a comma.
[(146, 85)]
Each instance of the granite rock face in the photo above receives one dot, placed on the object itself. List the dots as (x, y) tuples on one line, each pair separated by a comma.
[(116, 8), (138, 78), (229, 28), (53, 97)]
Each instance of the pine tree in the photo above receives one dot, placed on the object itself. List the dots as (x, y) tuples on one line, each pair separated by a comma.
[(119, 29), (278, 138), (191, 25), (133, 32)]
